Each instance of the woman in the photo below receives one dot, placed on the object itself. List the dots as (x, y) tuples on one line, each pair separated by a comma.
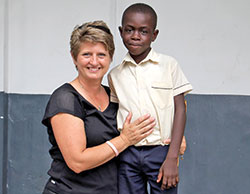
[(81, 121)]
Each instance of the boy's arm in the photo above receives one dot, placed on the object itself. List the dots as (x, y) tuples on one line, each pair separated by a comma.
[(183, 142), (183, 146), (168, 172)]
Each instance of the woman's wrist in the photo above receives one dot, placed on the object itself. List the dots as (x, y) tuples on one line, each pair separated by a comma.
[(112, 146), (124, 139), (118, 144)]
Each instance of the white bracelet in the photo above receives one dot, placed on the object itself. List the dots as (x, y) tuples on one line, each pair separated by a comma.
[(113, 148)]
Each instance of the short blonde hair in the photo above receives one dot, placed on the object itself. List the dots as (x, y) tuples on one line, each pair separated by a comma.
[(94, 32)]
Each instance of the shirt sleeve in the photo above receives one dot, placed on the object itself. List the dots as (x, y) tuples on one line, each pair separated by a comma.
[(180, 82), (113, 95), (63, 101)]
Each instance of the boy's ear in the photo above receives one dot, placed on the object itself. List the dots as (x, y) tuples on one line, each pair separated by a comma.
[(120, 30), (155, 34)]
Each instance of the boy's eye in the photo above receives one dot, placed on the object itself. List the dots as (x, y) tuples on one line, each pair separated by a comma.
[(144, 32), (128, 30)]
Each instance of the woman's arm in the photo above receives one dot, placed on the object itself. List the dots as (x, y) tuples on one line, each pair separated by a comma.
[(71, 138)]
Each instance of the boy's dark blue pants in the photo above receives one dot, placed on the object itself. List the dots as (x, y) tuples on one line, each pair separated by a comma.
[(139, 166)]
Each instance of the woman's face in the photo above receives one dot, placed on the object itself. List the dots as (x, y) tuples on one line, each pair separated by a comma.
[(93, 60)]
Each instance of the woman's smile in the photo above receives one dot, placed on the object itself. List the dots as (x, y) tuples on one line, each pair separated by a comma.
[(93, 69)]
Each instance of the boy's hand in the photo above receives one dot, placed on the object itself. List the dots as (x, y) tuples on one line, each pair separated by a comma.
[(168, 173), (183, 146)]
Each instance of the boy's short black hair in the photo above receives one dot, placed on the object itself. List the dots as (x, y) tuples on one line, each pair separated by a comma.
[(141, 8)]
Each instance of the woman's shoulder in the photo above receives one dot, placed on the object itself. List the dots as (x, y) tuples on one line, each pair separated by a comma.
[(64, 96), (64, 99), (65, 90), (66, 87)]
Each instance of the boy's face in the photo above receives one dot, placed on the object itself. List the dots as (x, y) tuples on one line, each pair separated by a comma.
[(137, 33)]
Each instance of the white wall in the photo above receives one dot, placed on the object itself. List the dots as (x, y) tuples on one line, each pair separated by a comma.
[(210, 39), (39, 34)]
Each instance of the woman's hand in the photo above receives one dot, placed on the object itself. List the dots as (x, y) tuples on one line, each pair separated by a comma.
[(183, 146), (134, 132)]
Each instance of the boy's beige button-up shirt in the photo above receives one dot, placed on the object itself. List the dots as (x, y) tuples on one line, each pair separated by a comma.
[(148, 87)]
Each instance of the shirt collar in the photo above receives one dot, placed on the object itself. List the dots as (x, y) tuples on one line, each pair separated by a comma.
[(152, 56)]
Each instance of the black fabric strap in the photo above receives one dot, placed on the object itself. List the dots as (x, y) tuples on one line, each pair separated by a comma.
[(103, 28)]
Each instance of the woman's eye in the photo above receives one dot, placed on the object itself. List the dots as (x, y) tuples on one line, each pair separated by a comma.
[(101, 54), (86, 54)]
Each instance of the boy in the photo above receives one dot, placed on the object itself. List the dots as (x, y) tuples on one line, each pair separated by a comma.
[(149, 82)]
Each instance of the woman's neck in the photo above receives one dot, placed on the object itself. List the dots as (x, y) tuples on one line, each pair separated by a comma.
[(91, 87)]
